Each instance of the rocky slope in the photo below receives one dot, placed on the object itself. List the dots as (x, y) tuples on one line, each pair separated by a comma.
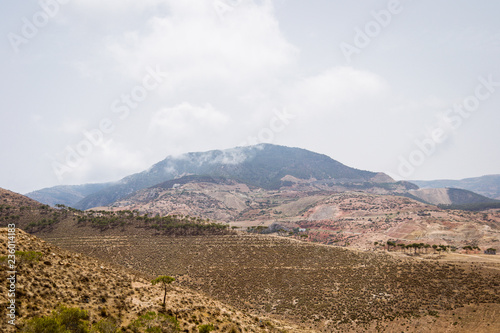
[(346, 217)]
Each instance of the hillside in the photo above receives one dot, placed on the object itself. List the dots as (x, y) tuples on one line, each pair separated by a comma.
[(488, 186), (340, 216), (263, 166), (229, 200), (269, 283), (48, 277), (10, 199), (354, 219), (324, 288), (450, 196)]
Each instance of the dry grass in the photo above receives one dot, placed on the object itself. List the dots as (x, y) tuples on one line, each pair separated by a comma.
[(105, 290), (323, 287)]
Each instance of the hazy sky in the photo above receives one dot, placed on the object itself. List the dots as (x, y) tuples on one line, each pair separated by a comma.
[(94, 90)]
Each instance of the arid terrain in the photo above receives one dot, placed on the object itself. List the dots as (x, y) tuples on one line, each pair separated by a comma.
[(327, 288), (110, 292), (356, 219), (287, 284)]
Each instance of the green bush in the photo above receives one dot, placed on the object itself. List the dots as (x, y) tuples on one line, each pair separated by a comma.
[(29, 256), (105, 326), (44, 325), (207, 328), (62, 320)]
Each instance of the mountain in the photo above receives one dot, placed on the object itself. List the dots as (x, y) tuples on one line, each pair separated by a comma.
[(450, 196), (488, 186), (263, 165), (67, 195)]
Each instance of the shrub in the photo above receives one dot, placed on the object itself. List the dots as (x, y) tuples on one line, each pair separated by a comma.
[(74, 319), (29, 256), (43, 325), (105, 326), (207, 328), (62, 320)]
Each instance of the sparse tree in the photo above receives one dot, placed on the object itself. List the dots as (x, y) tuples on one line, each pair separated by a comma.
[(165, 280)]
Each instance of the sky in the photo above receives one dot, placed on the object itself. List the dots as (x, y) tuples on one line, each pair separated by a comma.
[(93, 90)]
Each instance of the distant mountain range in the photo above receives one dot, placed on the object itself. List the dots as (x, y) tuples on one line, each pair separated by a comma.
[(66, 195), (270, 168), (488, 186), (453, 198), (265, 166)]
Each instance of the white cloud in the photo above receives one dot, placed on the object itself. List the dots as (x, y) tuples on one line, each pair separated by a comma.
[(198, 47), (108, 162), (184, 124), (338, 89)]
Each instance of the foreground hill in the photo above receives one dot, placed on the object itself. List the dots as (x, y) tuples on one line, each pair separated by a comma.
[(488, 186), (325, 288), (263, 166), (48, 277)]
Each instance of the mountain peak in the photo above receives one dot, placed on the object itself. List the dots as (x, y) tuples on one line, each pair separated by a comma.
[(263, 165)]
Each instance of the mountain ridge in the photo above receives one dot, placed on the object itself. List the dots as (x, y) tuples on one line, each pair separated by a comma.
[(487, 185), (263, 165), (450, 196)]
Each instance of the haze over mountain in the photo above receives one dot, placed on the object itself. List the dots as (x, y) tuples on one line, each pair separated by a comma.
[(262, 165)]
